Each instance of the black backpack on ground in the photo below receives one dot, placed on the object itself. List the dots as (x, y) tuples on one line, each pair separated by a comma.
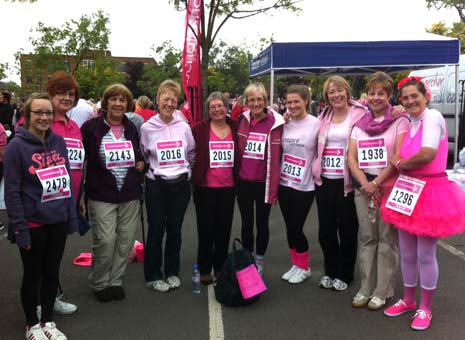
[(227, 290)]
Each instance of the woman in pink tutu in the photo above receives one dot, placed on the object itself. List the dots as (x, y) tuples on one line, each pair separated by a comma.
[(412, 205)]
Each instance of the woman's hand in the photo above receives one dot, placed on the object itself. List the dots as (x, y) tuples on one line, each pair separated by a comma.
[(82, 205), (368, 189), (140, 166), (397, 109)]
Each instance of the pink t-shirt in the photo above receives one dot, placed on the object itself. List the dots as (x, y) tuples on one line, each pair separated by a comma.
[(117, 130), (337, 138), (300, 138), (70, 130), (220, 177), (254, 170), (399, 126)]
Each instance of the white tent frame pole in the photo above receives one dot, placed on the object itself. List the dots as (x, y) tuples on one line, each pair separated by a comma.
[(271, 88), (457, 112)]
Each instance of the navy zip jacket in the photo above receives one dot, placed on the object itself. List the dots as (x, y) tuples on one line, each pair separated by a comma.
[(25, 154), (100, 184)]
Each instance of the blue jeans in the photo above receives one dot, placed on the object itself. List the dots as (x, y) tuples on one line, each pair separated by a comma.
[(166, 205)]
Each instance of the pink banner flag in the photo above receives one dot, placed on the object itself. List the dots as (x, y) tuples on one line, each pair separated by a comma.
[(191, 68)]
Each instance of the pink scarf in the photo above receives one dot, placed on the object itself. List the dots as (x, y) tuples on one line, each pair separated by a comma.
[(374, 128)]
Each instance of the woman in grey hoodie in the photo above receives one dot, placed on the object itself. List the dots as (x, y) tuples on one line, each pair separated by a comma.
[(41, 210)]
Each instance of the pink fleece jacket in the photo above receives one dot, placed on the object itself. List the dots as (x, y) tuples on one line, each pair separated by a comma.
[(356, 112), (273, 161)]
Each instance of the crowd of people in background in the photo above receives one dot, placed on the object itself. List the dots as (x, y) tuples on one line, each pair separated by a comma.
[(76, 164)]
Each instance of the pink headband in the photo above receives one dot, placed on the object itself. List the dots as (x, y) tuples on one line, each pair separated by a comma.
[(403, 81)]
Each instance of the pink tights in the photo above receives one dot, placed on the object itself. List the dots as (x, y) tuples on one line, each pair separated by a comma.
[(418, 254)]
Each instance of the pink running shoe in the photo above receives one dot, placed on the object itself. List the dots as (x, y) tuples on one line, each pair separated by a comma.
[(421, 320), (399, 308)]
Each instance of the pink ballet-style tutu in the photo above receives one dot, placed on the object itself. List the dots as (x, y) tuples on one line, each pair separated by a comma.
[(439, 213)]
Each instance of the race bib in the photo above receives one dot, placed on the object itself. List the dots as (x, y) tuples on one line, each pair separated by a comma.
[(55, 183), (372, 153), (293, 168), (76, 153), (119, 155), (405, 194), (221, 154), (255, 147), (332, 161), (170, 153)]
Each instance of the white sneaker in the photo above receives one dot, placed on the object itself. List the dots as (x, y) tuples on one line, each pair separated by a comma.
[(52, 333), (64, 308), (260, 269), (300, 275), (326, 282), (173, 282), (287, 275), (35, 333), (360, 300), (158, 285), (339, 285)]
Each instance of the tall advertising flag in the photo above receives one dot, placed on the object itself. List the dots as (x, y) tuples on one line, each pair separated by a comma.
[(191, 68)]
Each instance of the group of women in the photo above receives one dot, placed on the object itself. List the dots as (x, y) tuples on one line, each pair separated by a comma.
[(352, 160)]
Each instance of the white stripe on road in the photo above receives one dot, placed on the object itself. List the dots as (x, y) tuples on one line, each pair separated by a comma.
[(216, 319), (451, 249)]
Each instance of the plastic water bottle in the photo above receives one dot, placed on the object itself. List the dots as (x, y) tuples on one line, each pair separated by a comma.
[(196, 280), (372, 212)]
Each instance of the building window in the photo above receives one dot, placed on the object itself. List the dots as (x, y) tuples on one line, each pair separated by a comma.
[(28, 65), (67, 68), (124, 67), (29, 80), (88, 63)]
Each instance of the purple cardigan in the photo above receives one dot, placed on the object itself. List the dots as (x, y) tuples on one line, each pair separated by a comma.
[(100, 184)]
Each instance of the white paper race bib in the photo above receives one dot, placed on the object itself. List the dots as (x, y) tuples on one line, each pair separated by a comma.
[(255, 147), (55, 183), (405, 194), (76, 153), (221, 154), (372, 153), (119, 155), (170, 153), (293, 168), (332, 161)]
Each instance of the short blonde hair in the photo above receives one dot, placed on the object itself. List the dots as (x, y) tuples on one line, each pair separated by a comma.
[(144, 102), (338, 81), (169, 85), (255, 87)]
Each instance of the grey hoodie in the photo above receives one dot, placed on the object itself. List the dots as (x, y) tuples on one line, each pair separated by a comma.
[(23, 191)]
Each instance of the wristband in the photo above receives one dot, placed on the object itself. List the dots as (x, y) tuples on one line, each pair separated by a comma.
[(398, 164), (374, 183)]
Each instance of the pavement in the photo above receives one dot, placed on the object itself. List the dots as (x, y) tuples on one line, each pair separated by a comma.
[(285, 311)]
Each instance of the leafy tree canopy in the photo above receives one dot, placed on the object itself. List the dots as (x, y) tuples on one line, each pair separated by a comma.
[(459, 5)]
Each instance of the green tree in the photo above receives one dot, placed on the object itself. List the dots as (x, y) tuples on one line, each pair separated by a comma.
[(229, 68), (218, 12), (456, 31), (459, 5), (75, 39), (167, 66), (69, 46)]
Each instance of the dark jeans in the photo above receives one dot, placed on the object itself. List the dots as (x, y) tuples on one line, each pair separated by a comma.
[(338, 229), (215, 209), (166, 206), (41, 265), (248, 195), (295, 206)]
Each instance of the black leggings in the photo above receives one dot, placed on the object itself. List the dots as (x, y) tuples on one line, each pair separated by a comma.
[(41, 265), (250, 193), (295, 206)]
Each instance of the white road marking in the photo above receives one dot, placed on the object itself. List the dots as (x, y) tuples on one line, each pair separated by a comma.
[(215, 316), (452, 249)]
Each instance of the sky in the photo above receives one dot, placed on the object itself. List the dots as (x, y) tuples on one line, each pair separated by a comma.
[(139, 25)]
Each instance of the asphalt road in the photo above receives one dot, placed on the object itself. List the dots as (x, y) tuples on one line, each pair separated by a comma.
[(285, 311)]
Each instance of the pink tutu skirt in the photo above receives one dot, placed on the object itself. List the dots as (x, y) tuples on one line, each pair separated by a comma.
[(439, 213)]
